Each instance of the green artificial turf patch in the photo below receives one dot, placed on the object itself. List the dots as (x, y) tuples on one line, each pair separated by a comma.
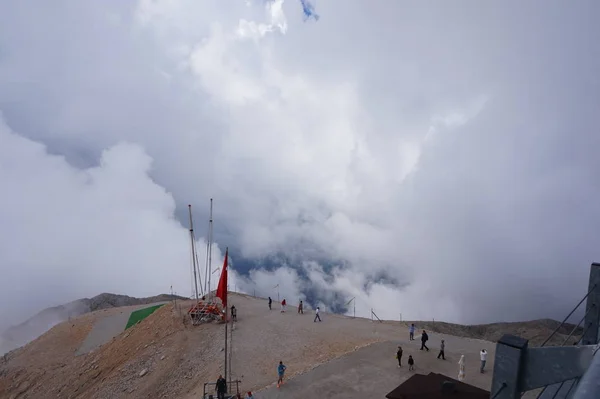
[(140, 315)]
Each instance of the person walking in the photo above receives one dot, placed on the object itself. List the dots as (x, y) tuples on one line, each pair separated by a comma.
[(424, 339), (280, 372), (249, 395), (270, 302), (411, 332), (221, 387), (442, 348), (301, 308), (411, 363), (233, 313), (399, 356), (317, 315), (283, 303), (483, 357)]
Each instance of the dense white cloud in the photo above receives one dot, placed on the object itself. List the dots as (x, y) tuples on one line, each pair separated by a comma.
[(431, 160), (75, 233)]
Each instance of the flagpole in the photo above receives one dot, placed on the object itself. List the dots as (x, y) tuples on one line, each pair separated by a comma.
[(226, 322), (231, 347), (222, 293), (194, 258), (210, 239)]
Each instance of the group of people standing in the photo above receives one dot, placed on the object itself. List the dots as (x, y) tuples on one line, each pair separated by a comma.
[(441, 354), (300, 308), (424, 339)]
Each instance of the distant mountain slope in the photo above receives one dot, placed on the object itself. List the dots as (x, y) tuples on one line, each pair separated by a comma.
[(37, 325), (536, 331)]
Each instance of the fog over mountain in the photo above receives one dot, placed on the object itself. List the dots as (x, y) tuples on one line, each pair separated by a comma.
[(436, 160)]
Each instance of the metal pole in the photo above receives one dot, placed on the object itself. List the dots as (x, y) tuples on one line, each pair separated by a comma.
[(207, 269), (226, 322), (593, 319), (193, 252), (231, 348), (210, 233), (589, 385)]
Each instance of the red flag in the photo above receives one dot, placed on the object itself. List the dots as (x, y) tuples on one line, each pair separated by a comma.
[(222, 287)]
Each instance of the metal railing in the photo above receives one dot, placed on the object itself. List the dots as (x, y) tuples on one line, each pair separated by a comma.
[(212, 394), (562, 372)]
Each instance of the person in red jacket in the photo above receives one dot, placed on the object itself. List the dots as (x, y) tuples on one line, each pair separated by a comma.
[(283, 305)]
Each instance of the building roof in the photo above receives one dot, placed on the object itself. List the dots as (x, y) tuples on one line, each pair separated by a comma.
[(429, 386)]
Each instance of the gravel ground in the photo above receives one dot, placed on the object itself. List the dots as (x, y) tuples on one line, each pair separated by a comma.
[(163, 357)]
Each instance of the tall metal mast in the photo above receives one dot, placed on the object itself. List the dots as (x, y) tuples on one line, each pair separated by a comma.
[(194, 255), (230, 363), (209, 238), (225, 365)]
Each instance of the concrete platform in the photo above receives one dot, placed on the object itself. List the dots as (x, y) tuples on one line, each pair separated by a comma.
[(372, 372)]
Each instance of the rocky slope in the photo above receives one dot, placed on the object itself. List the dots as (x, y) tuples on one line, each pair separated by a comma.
[(43, 321)]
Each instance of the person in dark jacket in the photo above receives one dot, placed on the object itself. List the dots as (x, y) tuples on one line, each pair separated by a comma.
[(399, 356), (411, 363), (221, 387), (233, 313), (270, 302), (424, 339)]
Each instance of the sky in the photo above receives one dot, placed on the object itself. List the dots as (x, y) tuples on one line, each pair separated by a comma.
[(434, 160)]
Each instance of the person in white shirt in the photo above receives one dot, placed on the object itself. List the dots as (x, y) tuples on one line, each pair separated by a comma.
[(483, 356), (442, 349), (461, 368), (317, 315)]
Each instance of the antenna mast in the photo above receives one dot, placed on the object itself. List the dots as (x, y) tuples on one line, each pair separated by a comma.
[(194, 255), (209, 238)]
